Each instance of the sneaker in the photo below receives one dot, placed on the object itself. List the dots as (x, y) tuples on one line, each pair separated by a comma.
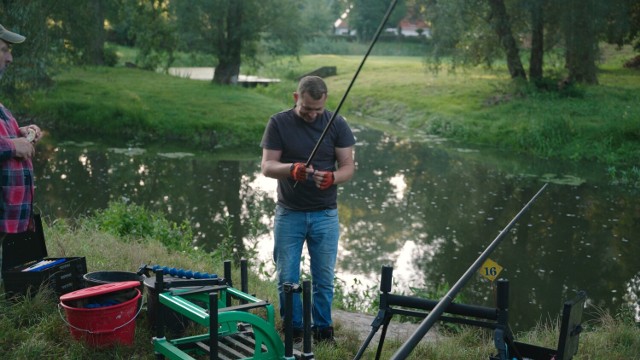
[(324, 335)]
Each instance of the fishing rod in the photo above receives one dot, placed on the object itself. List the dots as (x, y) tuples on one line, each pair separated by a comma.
[(444, 303), (335, 113)]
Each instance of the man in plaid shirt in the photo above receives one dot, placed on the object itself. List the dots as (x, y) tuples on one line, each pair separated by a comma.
[(16, 151)]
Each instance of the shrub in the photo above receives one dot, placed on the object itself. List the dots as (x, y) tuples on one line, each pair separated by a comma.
[(134, 221)]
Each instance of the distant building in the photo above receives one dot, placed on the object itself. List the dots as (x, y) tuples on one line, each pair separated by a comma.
[(407, 27), (412, 28), (341, 27)]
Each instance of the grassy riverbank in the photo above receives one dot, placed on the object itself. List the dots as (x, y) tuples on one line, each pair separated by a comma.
[(111, 240), (396, 94), (130, 105), (484, 107)]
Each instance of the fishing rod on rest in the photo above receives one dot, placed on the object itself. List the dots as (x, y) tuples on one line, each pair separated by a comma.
[(444, 303), (344, 97)]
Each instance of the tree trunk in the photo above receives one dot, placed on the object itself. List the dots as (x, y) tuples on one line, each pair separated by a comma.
[(95, 48), (581, 41), (502, 27), (537, 40), (230, 45), (227, 72)]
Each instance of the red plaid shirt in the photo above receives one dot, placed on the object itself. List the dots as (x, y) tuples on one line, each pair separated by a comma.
[(16, 179)]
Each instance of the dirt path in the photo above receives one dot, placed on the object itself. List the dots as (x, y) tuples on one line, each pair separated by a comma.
[(361, 323)]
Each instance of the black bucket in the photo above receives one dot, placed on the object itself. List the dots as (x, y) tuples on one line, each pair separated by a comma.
[(106, 277), (175, 322)]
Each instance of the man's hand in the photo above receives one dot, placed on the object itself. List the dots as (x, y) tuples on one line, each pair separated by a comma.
[(324, 179), (298, 172), (32, 133), (24, 149)]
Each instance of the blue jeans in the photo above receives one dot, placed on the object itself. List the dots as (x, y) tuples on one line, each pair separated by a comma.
[(321, 230)]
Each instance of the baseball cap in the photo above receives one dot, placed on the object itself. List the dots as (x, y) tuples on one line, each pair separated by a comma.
[(10, 37)]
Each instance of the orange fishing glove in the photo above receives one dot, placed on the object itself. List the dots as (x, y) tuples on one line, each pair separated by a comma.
[(327, 180), (298, 171)]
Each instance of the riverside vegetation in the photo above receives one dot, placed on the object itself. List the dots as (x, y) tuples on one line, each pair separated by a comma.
[(125, 236), (400, 94)]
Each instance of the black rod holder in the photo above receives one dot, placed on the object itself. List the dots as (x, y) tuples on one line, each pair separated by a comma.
[(384, 311), (213, 326), (306, 317), (386, 279), (502, 295), (227, 272), (289, 289), (159, 316), (455, 309), (227, 276), (244, 279)]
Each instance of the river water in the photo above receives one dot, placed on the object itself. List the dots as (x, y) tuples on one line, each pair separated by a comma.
[(424, 206)]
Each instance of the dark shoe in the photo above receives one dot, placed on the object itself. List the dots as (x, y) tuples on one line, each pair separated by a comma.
[(324, 335), (298, 334)]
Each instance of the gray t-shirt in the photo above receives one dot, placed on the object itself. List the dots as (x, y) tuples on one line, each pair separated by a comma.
[(296, 138)]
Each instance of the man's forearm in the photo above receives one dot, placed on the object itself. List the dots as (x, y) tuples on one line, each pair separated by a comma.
[(275, 169)]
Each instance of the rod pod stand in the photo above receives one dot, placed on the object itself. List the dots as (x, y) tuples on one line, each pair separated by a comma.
[(491, 318), (384, 316), (406, 348)]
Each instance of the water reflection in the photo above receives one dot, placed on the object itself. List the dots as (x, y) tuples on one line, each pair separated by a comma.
[(426, 210)]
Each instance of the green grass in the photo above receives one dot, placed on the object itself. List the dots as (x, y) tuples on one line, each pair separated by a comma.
[(131, 104), (34, 328)]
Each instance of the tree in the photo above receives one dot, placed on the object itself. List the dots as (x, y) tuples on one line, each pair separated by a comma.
[(367, 15), (318, 17), (33, 58), (573, 26), (502, 26), (95, 24), (461, 30), (151, 30), (537, 39), (623, 23), (81, 24), (581, 22), (232, 30)]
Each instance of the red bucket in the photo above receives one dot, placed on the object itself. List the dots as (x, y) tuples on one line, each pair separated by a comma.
[(105, 324)]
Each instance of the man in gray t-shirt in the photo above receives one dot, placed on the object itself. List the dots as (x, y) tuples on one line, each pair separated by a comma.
[(306, 209)]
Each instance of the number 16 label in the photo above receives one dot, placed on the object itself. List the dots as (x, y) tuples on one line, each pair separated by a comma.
[(490, 270)]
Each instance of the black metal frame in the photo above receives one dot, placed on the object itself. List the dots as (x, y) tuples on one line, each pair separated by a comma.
[(289, 290), (215, 285), (496, 318)]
